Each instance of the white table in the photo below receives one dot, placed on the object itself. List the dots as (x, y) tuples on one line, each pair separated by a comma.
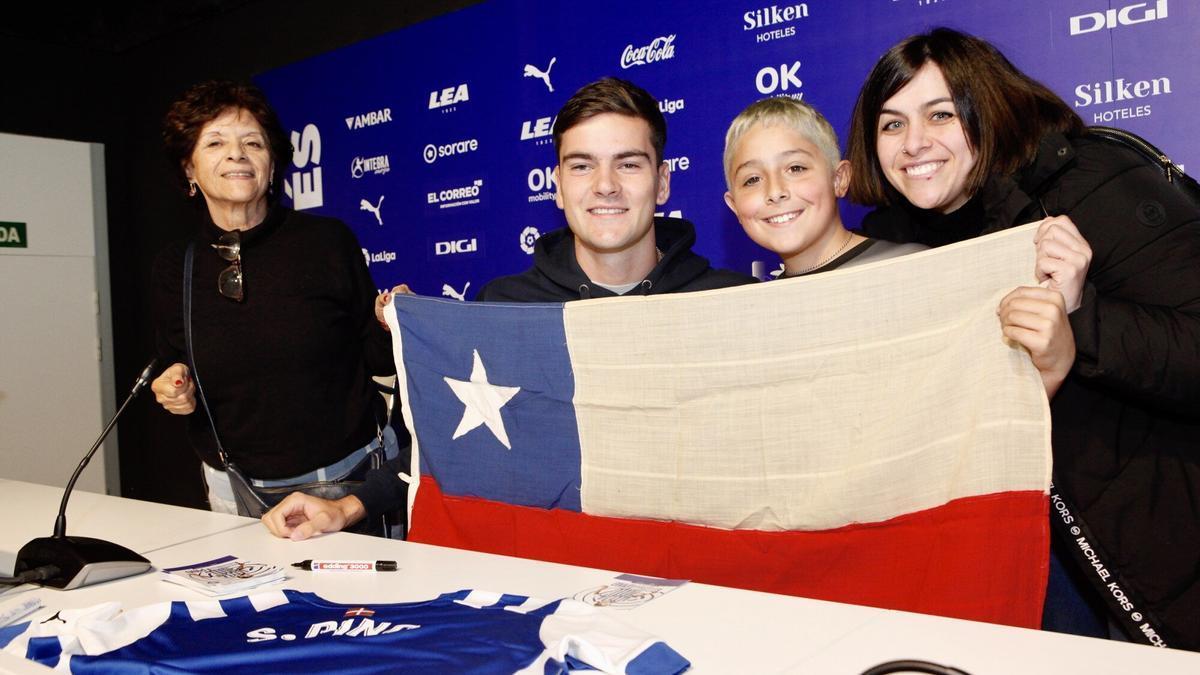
[(720, 630)]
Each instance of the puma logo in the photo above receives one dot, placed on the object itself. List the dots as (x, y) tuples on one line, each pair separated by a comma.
[(532, 71), (449, 292), (364, 205)]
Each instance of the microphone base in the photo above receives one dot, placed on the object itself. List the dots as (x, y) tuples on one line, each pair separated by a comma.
[(81, 561)]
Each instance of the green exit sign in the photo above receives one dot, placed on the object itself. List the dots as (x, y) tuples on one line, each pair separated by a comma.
[(12, 235)]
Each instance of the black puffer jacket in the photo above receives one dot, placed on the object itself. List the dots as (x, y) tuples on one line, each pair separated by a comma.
[(556, 276), (1127, 419)]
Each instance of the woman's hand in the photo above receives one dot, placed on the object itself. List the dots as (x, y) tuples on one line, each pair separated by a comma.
[(1036, 318), (384, 299), (175, 390), (1063, 256)]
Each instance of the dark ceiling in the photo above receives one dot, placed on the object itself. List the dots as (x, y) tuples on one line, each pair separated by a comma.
[(108, 26)]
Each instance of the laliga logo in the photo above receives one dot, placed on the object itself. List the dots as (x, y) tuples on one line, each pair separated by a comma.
[(661, 49), (380, 257), (529, 237), (1112, 18)]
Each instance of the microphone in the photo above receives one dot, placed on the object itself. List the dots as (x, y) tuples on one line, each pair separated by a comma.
[(71, 562)]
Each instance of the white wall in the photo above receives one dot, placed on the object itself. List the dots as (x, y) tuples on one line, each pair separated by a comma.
[(56, 357)]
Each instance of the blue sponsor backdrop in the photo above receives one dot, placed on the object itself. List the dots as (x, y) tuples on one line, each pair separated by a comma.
[(433, 142)]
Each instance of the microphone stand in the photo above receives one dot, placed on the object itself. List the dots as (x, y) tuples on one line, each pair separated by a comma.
[(71, 562)]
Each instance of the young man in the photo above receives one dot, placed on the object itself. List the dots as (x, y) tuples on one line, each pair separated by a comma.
[(611, 177)]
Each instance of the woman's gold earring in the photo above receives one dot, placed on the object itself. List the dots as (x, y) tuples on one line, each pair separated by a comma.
[(191, 189)]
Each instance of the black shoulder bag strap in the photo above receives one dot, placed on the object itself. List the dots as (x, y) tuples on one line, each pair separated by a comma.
[(248, 502)]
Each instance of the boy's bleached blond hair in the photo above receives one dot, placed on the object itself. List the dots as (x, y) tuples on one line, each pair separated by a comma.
[(796, 115)]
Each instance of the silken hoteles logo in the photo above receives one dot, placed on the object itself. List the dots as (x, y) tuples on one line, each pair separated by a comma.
[(660, 49), (456, 246), (1120, 91), (543, 75), (304, 186), (769, 20), (542, 184), (782, 78), (529, 237), (379, 257), (539, 130), (466, 195), (377, 165), (448, 291), (432, 152), (369, 119), (375, 209), (447, 99), (1109, 19)]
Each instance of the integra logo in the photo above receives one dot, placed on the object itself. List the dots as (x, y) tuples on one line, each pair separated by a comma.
[(458, 246), (1112, 18), (449, 96), (382, 116), (758, 19), (661, 49), (378, 165)]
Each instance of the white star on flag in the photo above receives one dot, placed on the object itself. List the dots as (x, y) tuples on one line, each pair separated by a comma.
[(483, 401)]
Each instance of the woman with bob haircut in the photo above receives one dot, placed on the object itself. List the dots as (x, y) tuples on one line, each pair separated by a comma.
[(283, 331), (950, 141)]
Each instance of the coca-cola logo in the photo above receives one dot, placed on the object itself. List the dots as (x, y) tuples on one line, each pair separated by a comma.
[(661, 49)]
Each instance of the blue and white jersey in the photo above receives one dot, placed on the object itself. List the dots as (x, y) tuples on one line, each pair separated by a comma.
[(289, 631)]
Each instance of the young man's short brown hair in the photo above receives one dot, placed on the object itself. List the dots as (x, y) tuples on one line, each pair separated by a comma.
[(612, 95), (1003, 111)]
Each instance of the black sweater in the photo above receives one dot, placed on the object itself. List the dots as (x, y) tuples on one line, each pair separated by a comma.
[(287, 371)]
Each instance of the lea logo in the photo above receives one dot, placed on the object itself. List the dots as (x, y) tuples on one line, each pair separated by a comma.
[(539, 128), (449, 96), (1114, 18)]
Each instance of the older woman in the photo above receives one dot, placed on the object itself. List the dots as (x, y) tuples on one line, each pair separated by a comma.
[(951, 141), (283, 333)]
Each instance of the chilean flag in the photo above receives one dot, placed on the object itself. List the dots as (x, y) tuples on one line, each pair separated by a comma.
[(864, 435)]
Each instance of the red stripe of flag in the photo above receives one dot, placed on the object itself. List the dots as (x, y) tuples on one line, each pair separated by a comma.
[(983, 558)]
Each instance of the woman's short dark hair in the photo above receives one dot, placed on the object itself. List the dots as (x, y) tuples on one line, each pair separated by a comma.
[(612, 95), (1003, 111), (206, 101)]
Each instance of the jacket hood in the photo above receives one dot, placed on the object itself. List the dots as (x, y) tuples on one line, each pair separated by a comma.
[(554, 257)]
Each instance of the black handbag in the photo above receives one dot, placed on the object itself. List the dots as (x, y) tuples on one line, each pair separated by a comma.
[(252, 500)]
